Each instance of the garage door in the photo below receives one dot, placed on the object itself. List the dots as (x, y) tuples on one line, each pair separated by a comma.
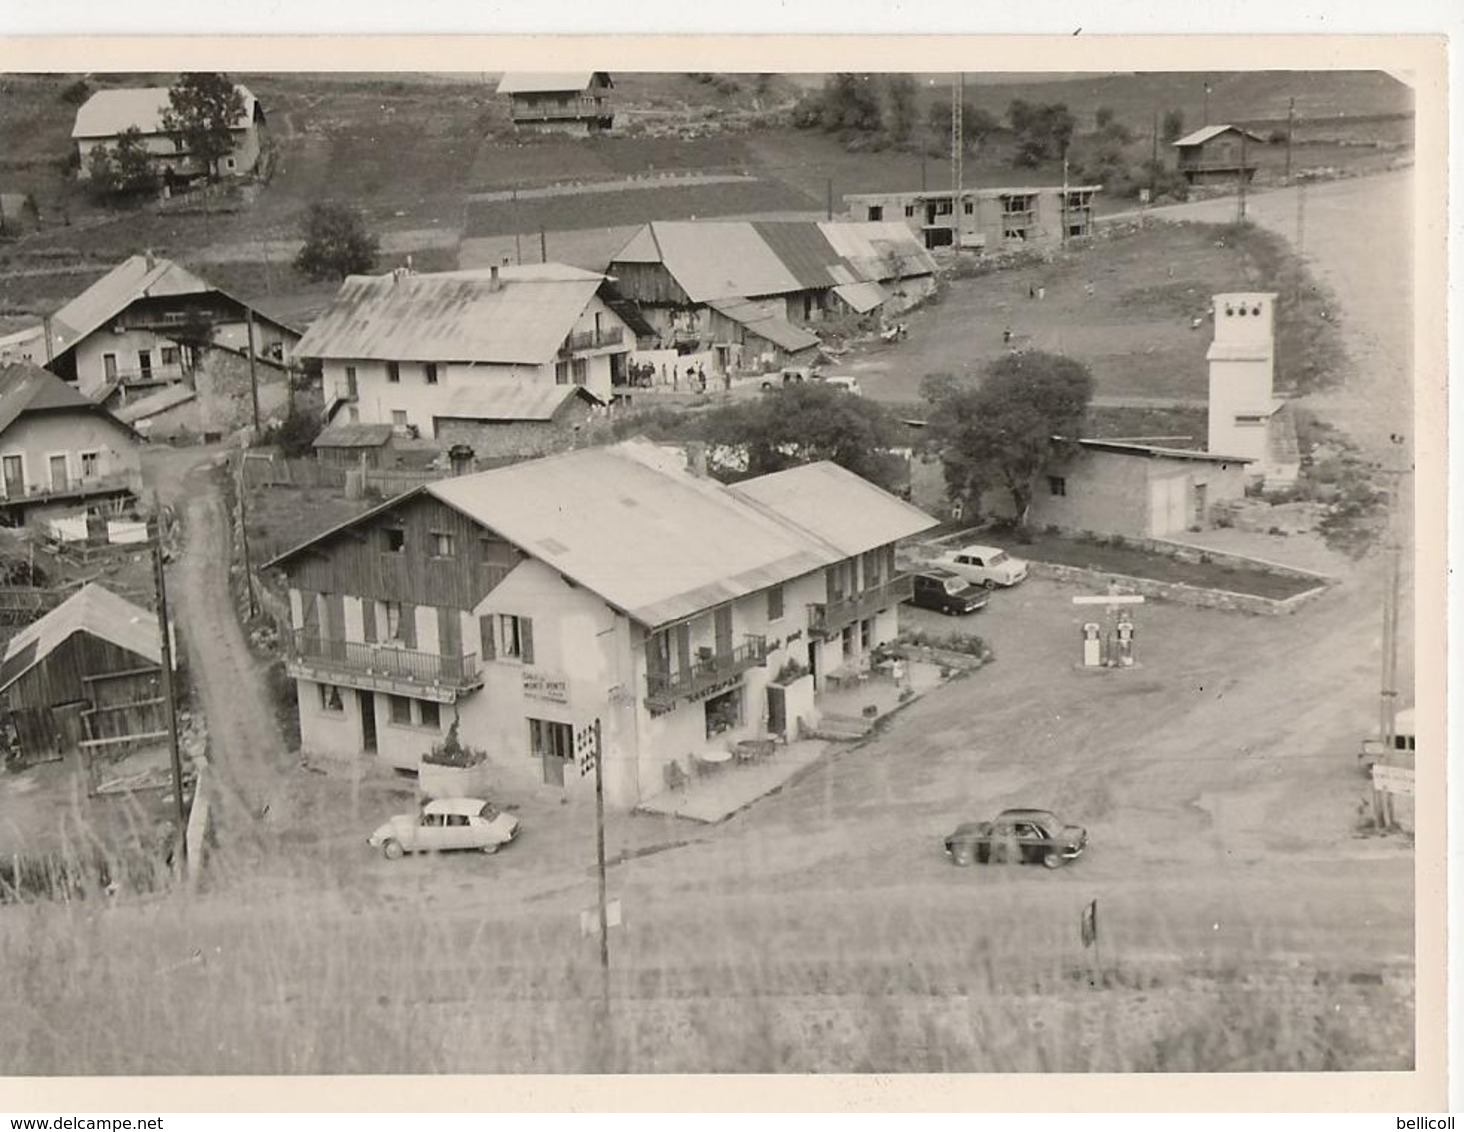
[(1167, 498)]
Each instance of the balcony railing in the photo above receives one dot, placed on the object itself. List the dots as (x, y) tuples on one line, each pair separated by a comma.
[(548, 112), (379, 665), (827, 618), (12, 492), (709, 669), (592, 339), (156, 375)]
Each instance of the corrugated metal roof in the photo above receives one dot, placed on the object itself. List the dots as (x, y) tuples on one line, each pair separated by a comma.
[(1205, 133), (764, 320), (836, 506), (803, 250), (27, 388), (721, 259), (93, 609), (108, 112), (133, 278), (454, 317), (547, 82), (863, 297), (497, 400), (353, 435)]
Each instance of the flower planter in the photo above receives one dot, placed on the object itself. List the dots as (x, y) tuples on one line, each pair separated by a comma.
[(435, 781)]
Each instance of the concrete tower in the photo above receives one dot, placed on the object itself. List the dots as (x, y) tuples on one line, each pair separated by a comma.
[(1242, 368)]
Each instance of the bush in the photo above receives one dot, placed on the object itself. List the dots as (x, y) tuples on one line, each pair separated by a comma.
[(451, 752), (74, 94), (294, 435), (336, 243)]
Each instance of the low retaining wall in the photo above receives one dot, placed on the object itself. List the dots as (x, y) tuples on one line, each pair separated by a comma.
[(1188, 552), (1098, 580)]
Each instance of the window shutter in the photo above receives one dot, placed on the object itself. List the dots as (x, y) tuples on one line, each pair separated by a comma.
[(485, 629), (368, 620), (526, 639), (409, 625)]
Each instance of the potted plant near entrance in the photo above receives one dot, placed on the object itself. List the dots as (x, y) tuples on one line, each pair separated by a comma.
[(453, 770), (796, 682)]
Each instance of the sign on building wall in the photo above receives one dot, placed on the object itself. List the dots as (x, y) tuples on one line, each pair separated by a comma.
[(541, 686)]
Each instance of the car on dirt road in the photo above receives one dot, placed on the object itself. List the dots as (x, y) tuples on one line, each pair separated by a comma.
[(946, 592), (1017, 837), (988, 566), (447, 823)]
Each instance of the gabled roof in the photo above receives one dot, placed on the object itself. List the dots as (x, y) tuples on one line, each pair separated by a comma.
[(353, 434), (731, 259), (631, 525), (108, 112), (464, 316), (92, 609), (548, 82), (1205, 133), (169, 397), (27, 388), (1153, 451), (137, 277), (766, 321), (497, 400)]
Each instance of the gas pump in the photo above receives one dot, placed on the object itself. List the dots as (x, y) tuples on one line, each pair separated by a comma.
[(1125, 635), (1092, 645)]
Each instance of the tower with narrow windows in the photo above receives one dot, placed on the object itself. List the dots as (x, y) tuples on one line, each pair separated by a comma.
[(1242, 374)]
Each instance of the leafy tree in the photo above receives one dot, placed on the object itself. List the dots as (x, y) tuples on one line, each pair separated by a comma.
[(1043, 130), (1173, 125), (204, 107), (850, 104), (976, 124), (901, 114), (999, 433), (1103, 117), (123, 170), (336, 243), (798, 424)]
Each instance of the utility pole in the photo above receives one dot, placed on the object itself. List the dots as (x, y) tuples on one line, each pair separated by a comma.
[(1063, 204), (543, 247), (1240, 203), (1154, 158), (241, 490), (958, 154), (604, 908), (1290, 125), (166, 643), (922, 172), (829, 198), (1206, 122), (1388, 708), (518, 248), (253, 376)]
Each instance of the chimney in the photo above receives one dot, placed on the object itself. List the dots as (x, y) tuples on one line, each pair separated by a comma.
[(494, 282), (147, 258), (461, 457), (696, 458)]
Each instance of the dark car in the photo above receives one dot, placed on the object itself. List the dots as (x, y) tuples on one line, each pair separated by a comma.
[(1017, 837), (947, 592)]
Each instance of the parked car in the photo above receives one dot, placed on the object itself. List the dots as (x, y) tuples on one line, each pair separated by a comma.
[(988, 566), (947, 592), (1400, 750), (447, 823), (840, 381), (1017, 837)]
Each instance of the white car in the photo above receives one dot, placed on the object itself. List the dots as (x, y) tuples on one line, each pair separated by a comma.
[(447, 823), (839, 381), (988, 566)]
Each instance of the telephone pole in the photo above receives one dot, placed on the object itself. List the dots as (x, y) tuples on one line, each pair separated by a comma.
[(958, 154), (1290, 125), (1392, 593), (166, 646), (604, 910), (253, 375), (1244, 176)]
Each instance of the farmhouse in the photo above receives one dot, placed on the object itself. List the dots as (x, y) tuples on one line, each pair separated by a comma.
[(61, 454), (85, 678), (750, 292), (984, 219), (568, 102), (407, 350), (1218, 155), (148, 323), (612, 584), (106, 115)]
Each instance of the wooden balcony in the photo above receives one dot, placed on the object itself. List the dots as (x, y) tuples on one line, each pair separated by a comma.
[(576, 110), (381, 667), (830, 617), (592, 340), (12, 493), (709, 669)]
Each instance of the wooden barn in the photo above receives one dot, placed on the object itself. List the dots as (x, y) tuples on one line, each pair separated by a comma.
[(85, 679)]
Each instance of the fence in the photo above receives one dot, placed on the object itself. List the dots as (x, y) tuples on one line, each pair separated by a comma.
[(280, 472)]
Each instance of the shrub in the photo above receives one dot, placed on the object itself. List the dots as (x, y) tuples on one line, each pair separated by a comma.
[(452, 752), (294, 435), (790, 672)]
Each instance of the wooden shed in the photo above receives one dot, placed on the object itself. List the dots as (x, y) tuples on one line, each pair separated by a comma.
[(85, 678)]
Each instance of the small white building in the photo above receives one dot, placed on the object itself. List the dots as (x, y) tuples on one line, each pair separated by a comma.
[(107, 114), (613, 584), (408, 350)]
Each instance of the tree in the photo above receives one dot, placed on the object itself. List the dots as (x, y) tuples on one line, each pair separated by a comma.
[(976, 124), (123, 170), (204, 109), (798, 424), (901, 114), (999, 434), (1173, 125), (1043, 130), (336, 243), (850, 104)]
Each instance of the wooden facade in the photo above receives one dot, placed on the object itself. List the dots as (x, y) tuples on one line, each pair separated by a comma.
[(649, 284), (361, 561)]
